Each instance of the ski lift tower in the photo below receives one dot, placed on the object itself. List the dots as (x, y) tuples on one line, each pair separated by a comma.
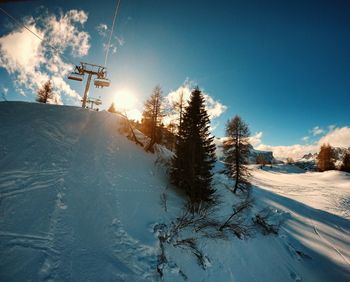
[(100, 72)]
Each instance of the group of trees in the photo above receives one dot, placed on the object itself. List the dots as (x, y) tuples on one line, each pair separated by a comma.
[(326, 159), (193, 145)]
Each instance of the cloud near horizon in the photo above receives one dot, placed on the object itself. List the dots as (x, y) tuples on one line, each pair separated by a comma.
[(256, 139), (31, 62), (336, 137)]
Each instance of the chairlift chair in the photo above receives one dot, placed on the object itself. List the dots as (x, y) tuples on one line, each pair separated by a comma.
[(76, 76), (101, 82), (98, 102)]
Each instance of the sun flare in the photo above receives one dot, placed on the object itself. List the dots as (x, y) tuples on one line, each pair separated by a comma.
[(125, 100)]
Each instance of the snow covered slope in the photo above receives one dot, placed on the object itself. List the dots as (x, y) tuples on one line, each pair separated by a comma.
[(328, 191), (79, 202), (77, 197)]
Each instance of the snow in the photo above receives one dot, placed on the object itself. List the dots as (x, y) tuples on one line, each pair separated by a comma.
[(328, 191), (80, 202)]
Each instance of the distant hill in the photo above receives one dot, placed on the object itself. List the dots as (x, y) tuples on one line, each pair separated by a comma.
[(309, 161)]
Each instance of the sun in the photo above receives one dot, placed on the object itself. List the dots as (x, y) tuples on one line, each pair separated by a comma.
[(125, 100)]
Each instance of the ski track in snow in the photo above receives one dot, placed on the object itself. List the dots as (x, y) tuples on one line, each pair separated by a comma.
[(105, 247), (87, 212)]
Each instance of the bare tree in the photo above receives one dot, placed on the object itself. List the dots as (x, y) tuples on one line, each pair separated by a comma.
[(178, 108), (152, 117), (326, 158), (45, 93), (236, 152), (112, 109)]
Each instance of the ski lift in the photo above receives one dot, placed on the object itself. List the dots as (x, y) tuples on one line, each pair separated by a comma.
[(101, 82)]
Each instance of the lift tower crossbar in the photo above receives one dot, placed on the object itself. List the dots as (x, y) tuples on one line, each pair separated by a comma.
[(90, 69)]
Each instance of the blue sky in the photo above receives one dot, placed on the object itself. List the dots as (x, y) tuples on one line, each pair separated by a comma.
[(282, 65)]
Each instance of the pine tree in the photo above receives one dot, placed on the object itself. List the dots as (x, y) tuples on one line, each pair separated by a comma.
[(236, 153), (346, 162), (326, 158), (194, 153), (45, 93), (152, 116), (112, 109)]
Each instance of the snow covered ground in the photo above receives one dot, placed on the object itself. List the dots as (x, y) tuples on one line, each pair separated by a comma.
[(79, 202)]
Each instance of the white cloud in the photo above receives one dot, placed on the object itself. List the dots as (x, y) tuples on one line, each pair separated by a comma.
[(317, 130), (120, 40), (104, 31), (5, 90), (31, 62), (305, 138), (255, 139), (337, 137), (294, 151), (214, 108), (331, 127)]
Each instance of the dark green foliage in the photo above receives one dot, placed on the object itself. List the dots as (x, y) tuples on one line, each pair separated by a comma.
[(236, 152), (195, 153), (45, 93), (346, 162)]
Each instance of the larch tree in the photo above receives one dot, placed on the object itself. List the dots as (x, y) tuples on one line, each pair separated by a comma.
[(236, 153), (178, 107), (326, 158), (346, 162), (152, 116), (191, 168), (112, 108), (45, 93)]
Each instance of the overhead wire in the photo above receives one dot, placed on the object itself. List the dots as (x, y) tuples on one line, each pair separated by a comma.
[(112, 29)]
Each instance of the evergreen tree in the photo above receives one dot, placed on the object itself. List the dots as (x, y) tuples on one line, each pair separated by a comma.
[(112, 109), (326, 158), (194, 153), (346, 162), (45, 93), (152, 116), (236, 152)]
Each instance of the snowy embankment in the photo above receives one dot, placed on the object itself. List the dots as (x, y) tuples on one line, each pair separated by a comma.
[(79, 202)]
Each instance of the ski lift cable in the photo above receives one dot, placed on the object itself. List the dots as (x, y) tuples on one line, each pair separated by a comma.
[(35, 34), (112, 29)]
